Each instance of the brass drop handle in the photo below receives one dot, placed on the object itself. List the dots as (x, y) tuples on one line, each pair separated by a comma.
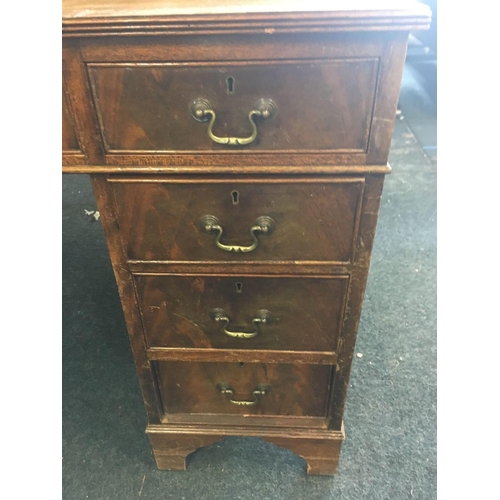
[(202, 111), (261, 390), (210, 224), (262, 317)]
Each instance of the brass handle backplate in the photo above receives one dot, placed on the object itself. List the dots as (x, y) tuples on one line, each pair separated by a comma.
[(210, 224), (262, 317), (202, 111), (260, 390)]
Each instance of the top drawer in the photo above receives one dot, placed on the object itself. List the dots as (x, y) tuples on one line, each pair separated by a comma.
[(265, 104), (316, 105)]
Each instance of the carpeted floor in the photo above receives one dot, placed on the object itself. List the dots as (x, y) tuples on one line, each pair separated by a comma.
[(390, 421)]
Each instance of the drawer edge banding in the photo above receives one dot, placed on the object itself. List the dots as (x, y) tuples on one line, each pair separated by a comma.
[(241, 355), (238, 180), (169, 169), (271, 269), (244, 430)]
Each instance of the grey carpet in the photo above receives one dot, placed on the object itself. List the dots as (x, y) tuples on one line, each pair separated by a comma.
[(390, 421)]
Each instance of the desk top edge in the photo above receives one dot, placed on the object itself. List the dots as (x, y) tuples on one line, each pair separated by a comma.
[(87, 16)]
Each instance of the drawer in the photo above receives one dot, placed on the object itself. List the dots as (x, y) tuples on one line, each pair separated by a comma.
[(209, 391), (322, 105), (234, 312), (218, 220)]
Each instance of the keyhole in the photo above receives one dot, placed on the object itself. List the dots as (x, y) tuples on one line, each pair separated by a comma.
[(239, 287), (230, 85), (236, 197), (242, 365)]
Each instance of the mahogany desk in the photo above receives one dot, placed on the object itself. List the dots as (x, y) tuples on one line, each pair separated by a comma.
[(237, 152)]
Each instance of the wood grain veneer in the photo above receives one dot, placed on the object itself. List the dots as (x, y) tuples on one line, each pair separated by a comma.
[(131, 71)]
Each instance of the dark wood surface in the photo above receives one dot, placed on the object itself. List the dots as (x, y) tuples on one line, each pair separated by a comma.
[(138, 106), (87, 17), (357, 272), (176, 311), (294, 390), (69, 139), (125, 284), (358, 278), (72, 154), (241, 355), (316, 219), (320, 448), (146, 108), (154, 381), (130, 70), (76, 91)]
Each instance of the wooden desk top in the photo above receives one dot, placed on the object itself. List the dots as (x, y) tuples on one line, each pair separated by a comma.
[(82, 17)]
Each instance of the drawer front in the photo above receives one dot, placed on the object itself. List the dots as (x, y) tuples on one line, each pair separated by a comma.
[(320, 105), (286, 313), (310, 220), (205, 388)]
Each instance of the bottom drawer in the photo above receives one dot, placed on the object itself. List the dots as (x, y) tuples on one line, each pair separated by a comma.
[(281, 394)]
